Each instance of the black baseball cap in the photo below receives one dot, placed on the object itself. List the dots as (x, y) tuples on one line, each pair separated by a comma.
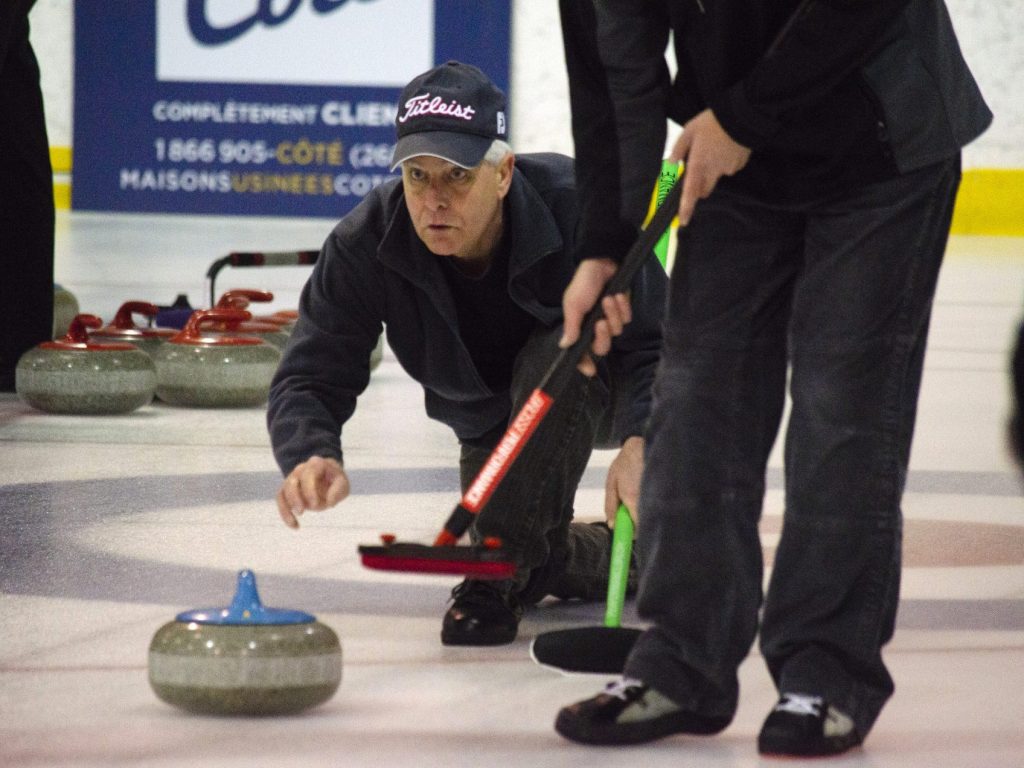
[(453, 112)]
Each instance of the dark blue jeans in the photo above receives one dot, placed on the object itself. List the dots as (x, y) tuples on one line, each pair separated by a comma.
[(837, 293), (531, 510)]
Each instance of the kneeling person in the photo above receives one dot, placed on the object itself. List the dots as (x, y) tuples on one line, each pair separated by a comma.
[(463, 260)]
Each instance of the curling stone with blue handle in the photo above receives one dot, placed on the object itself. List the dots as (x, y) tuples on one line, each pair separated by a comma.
[(245, 659)]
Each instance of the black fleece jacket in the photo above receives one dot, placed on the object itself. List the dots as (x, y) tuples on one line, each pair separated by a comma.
[(827, 94), (374, 271)]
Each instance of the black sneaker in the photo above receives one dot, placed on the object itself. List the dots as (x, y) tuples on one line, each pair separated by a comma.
[(630, 712), (483, 613), (806, 726)]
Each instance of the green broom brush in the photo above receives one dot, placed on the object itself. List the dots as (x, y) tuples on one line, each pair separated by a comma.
[(596, 649)]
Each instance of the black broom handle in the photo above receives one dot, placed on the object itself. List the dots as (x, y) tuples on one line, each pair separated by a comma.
[(560, 371)]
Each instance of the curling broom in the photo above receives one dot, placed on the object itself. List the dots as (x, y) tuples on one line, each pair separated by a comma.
[(487, 560)]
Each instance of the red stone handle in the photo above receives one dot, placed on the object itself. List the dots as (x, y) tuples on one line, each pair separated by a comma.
[(203, 317), (77, 329), (239, 298), (123, 318)]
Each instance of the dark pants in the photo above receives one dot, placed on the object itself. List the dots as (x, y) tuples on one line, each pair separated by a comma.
[(837, 293), (26, 196), (532, 507)]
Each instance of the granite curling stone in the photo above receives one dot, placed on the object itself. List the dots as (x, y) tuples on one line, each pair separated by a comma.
[(74, 375), (286, 319), (245, 659), (242, 298), (271, 328), (268, 332), (65, 309), (123, 328), (204, 369)]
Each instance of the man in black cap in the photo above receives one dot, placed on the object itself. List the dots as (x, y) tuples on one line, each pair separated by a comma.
[(463, 260)]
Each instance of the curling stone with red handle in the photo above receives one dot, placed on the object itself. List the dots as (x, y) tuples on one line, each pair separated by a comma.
[(75, 375), (123, 328), (291, 316), (241, 298), (269, 332), (245, 659), (270, 328), (286, 318), (211, 370)]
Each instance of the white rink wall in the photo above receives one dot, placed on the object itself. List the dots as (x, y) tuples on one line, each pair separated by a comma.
[(989, 34)]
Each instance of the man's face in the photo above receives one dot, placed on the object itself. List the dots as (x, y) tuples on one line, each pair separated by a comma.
[(456, 211)]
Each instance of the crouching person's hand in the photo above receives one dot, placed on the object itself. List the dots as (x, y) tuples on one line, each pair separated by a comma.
[(316, 484)]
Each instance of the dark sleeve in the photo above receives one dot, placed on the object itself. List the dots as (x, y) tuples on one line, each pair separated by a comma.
[(821, 44), (618, 90), (326, 364), (13, 26)]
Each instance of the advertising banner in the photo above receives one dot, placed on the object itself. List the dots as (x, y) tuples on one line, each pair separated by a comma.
[(256, 107)]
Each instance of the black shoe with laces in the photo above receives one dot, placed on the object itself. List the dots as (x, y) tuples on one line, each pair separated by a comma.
[(630, 712), (806, 726), (482, 613)]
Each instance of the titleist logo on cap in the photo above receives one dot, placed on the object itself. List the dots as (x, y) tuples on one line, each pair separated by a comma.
[(424, 105), (453, 112)]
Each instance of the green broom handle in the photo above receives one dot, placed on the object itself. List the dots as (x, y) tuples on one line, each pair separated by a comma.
[(618, 568), (622, 538), (669, 175)]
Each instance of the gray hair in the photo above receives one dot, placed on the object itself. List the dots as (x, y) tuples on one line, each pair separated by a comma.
[(497, 152)]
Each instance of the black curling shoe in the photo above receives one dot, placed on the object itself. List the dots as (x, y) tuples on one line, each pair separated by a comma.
[(806, 726), (631, 712), (482, 614)]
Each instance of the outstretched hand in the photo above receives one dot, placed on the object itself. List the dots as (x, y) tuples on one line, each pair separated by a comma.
[(315, 484)]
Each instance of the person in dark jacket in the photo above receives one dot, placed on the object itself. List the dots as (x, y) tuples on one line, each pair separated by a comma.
[(463, 261), (822, 141), (1015, 424), (26, 196)]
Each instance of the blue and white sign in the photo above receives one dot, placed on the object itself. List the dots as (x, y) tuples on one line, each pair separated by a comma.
[(275, 107)]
